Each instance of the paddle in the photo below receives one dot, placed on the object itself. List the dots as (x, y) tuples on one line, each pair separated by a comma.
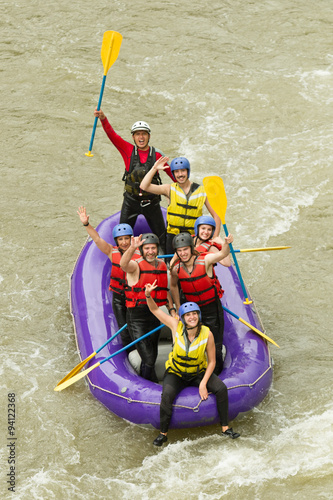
[(77, 377), (109, 53), (236, 251), (81, 365), (217, 198), (250, 326)]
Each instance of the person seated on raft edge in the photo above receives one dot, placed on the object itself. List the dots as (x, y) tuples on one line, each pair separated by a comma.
[(191, 363), (198, 283), (140, 321), (204, 242), (186, 198), (122, 236)]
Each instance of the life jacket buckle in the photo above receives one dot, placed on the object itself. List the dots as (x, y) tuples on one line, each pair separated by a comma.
[(145, 203)]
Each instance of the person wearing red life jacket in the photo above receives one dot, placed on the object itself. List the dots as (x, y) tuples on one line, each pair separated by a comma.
[(204, 241), (121, 234), (191, 363), (139, 159), (140, 320), (198, 282)]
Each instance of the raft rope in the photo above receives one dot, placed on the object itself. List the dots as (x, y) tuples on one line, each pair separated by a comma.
[(130, 400)]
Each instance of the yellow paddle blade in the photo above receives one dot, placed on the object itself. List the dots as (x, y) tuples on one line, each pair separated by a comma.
[(216, 195), (258, 331), (74, 379), (76, 369), (262, 249), (110, 48)]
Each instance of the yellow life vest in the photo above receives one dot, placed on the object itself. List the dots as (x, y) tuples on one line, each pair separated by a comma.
[(183, 211), (188, 358)]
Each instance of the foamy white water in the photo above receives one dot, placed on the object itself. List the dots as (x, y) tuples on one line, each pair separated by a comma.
[(244, 91)]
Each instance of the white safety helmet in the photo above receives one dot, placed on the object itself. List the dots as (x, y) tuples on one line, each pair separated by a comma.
[(140, 126)]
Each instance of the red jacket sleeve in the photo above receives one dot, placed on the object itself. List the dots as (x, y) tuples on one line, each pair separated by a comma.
[(125, 148)]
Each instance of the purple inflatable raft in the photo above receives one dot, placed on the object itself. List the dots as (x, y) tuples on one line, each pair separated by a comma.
[(247, 368)]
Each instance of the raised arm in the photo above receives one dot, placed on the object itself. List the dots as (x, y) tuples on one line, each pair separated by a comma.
[(162, 316), (215, 217), (128, 265), (212, 258), (174, 288), (99, 242), (146, 184)]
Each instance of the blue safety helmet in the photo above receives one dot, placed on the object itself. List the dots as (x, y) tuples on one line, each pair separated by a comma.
[(181, 162), (204, 219), (121, 230), (186, 308)]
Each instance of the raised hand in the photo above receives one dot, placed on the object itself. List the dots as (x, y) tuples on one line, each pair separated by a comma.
[(150, 287), (229, 239), (83, 215), (160, 164), (136, 241)]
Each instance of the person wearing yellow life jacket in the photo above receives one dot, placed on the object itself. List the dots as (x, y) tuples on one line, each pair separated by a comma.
[(198, 282), (140, 321), (186, 198), (191, 363), (121, 234)]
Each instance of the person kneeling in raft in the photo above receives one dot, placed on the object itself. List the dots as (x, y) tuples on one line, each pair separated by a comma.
[(190, 363)]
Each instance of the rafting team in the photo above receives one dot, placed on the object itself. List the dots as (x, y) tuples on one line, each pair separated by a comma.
[(139, 280)]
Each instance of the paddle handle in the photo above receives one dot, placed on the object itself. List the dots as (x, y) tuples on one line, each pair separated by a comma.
[(96, 117), (132, 343)]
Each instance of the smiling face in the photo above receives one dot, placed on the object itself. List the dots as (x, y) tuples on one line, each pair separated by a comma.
[(181, 175), (191, 319), (149, 252), (184, 253), (123, 242), (205, 232), (141, 139)]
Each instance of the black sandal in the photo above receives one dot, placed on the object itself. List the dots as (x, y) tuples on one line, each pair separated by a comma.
[(230, 433), (161, 438)]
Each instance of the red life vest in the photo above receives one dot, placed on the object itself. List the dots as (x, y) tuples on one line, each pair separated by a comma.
[(206, 245), (135, 295), (118, 276), (197, 286)]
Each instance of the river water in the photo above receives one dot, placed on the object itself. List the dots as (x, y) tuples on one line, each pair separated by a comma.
[(244, 90)]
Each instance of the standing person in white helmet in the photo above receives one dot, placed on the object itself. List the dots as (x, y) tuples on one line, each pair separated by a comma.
[(139, 159), (187, 198)]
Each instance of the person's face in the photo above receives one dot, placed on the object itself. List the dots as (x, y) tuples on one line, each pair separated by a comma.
[(181, 175), (149, 252), (184, 253), (205, 231), (141, 139), (123, 242), (191, 319)]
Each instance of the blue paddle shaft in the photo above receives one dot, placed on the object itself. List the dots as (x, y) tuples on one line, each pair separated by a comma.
[(132, 343), (236, 263), (98, 108), (111, 338)]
